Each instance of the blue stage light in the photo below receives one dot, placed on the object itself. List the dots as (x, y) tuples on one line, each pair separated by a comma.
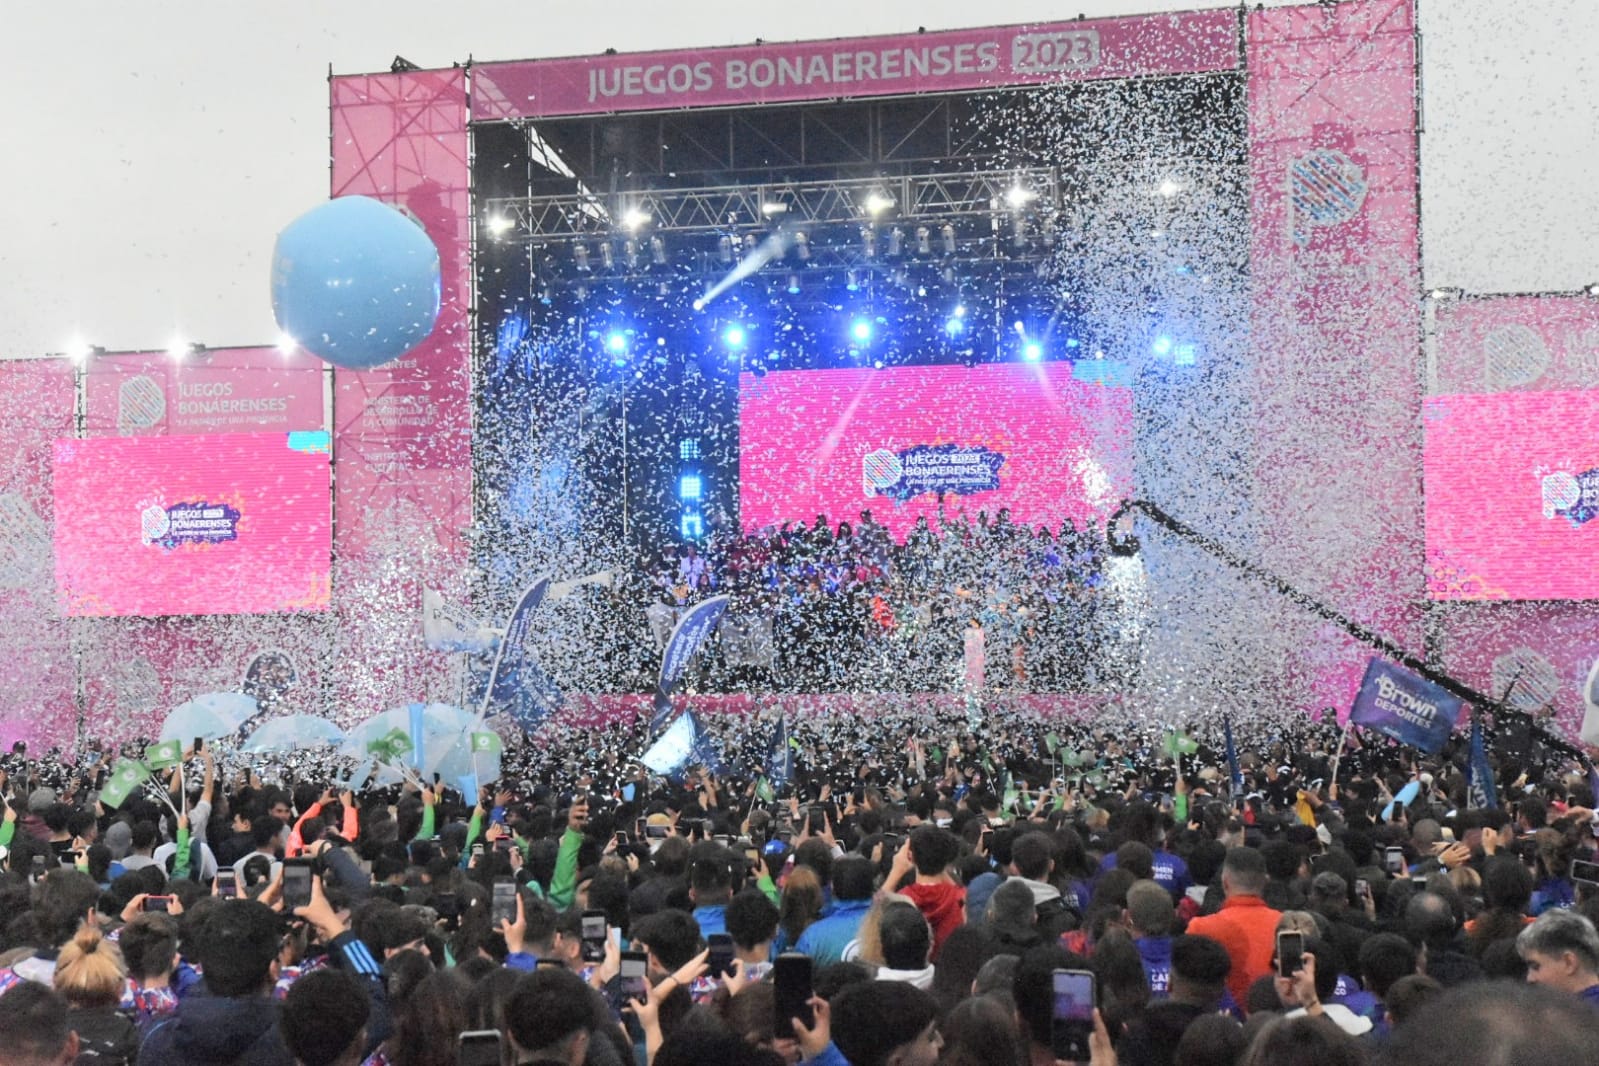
[(616, 342), (733, 336), (1162, 345), (1185, 355), (954, 327), (1032, 351), (689, 487), (861, 330)]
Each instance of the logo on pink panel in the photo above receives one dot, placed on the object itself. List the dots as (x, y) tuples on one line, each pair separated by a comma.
[(1325, 188)]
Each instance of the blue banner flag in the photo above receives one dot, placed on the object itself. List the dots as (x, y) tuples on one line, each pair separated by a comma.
[(1405, 706), (1480, 791), (697, 623), (1233, 772), (515, 648), (779, 766)]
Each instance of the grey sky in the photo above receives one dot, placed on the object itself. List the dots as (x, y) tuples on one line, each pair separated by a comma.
[(154, 148)]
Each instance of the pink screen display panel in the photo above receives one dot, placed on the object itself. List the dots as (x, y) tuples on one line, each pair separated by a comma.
[(222, 524), (1512, 483), (1024, 436)]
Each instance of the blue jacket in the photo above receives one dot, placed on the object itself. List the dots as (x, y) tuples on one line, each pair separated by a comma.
[(825, 939)]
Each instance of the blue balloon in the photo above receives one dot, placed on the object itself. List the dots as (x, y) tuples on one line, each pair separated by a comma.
[(355, 282)]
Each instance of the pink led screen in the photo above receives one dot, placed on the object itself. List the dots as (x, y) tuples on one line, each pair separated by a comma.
[(222, 524), (1512, 486), (1029, 437)]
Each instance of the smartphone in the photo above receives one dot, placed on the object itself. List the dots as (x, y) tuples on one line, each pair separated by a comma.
[(634, 966), (1586, 872), (199, 745), (723, 839), (158, 904), (791, 981), (504, 901), (227, 884), (621, 838), (296, 883), (1290, 953), (593, 930), (477, 851), (504, 844), (1394, 860), (1072, 1015), (720, 961), (480, 1047), (1363, 888), (657, 832)]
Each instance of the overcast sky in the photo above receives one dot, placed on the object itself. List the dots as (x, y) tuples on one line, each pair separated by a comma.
[(154, 148)]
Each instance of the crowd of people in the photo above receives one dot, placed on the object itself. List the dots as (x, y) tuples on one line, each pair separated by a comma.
[(907, 891), (832, 607)]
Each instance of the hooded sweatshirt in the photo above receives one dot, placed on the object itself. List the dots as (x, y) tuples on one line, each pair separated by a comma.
[(943, 905), (212, 1030)]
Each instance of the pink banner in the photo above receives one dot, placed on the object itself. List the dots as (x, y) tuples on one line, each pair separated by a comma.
[(1495, 343), (1027, 437), (1334, 265), (1512, 494), (228, 390), (224, 524), (402, 432), (952, 61)]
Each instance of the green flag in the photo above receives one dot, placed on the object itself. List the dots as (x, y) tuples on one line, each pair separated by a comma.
[(483, 743), (1010, 795), (380, 749), (1070, 758), (124, 781), (1051, 742), (763, 790), (399, 742), (1180, 744), (163, 755)]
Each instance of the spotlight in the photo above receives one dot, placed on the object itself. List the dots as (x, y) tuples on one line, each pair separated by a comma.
[(947, 235), (580, 255), (793, 285), (852, 281), (733, 336), (499, 225), (924, 241), (630, 253), (954, 326), (1170, 187), (1019, 196), (1592, 290), (657, 251), (286, 344), (802, 246), (1019, 231), (861, 330), (868, 242), (177, 348), (1032, 351), (616, 342), (635, 219), (79, 350), (724, 248), (1162, 346), (960, 311), (772, 208), (607, 255), (896, 241), (402, 65), (877, 202)]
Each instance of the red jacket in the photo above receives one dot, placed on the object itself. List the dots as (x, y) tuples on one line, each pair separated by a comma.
[(944, 907), (1247, 928)]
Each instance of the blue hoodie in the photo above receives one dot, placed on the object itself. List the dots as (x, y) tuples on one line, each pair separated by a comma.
[(826, 939)]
